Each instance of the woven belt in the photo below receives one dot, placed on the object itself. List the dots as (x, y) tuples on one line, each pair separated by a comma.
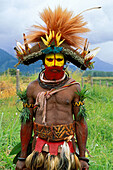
[(54, 133)]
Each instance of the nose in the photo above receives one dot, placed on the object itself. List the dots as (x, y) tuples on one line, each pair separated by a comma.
[(54, 61)]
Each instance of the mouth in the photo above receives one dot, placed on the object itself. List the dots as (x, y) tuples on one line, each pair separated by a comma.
[(55, 70)]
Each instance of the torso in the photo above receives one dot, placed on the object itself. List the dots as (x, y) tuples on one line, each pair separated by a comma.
[(59, 105)]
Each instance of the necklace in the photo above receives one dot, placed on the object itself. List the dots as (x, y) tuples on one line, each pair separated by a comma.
[(49, 84)]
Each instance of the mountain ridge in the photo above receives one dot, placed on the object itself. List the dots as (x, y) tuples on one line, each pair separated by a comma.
[(8, 61)]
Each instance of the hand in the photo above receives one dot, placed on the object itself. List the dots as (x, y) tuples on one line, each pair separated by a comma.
[(84, 165), (20, 165)]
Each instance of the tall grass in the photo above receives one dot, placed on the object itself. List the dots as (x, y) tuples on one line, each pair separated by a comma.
[(8, 84), (9, 131), (99, 120), (100, 125)]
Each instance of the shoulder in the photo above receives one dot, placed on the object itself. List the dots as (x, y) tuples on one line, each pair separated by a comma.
[(32, 84), (76, 85), (31, 87), (78, 88)]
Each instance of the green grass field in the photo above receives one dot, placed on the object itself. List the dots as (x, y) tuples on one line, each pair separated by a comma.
[(99, 120)]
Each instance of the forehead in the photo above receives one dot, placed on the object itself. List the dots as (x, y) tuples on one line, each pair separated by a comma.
[(57, 55)]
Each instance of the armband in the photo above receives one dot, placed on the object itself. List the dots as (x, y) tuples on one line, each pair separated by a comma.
[(84, 159), (78, 103), (21, 159), (28, 105)]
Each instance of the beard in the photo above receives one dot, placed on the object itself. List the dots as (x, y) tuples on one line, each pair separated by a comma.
[(54, 72)]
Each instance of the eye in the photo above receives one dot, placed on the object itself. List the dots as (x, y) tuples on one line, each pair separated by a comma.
[(59, 59), (49, 59)]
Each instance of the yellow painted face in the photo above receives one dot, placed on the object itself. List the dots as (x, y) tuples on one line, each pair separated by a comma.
[(54, 60)]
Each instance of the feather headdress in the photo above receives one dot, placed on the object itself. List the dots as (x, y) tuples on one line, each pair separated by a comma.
[(62, 22), (61, 31)]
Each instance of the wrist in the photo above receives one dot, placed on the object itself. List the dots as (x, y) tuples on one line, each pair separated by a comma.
[(21, 159), (84, 159), (23, 155)]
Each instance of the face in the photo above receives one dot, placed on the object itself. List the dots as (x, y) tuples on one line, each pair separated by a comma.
[(52, 60), (54, 64)]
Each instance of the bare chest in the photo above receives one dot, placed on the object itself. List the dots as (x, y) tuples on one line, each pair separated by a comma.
[(58, 106), (64, 96)]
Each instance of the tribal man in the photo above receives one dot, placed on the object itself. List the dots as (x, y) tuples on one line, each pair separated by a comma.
[(52, 98)]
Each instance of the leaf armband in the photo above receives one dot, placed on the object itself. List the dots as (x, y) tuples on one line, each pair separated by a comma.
[(24, 112), (82, 110), (83, 94)]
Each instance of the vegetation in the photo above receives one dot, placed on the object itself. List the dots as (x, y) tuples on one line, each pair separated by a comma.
[(99, 120), (83, 95), (98, 74), (24, 112), (11, 71), (100, 136), (101, 81)]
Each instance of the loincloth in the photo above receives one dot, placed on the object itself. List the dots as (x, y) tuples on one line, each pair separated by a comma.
[(54, 132), (53, 159), (52, 147)]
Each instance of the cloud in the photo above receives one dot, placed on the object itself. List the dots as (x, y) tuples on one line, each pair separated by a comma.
[(17, 16), (101, 27), (105, 53)]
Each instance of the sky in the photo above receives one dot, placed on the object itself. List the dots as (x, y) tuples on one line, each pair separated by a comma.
[(17, 17)]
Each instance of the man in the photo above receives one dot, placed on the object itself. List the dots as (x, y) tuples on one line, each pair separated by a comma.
[(54, 95)]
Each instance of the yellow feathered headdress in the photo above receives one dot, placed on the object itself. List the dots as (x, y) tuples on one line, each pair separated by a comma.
[(61, 33)]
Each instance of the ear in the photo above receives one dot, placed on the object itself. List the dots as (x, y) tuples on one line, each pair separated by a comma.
[(66, 64), (43, 60)]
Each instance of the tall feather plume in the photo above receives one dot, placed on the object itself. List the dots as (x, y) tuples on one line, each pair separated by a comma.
[(61, 21)]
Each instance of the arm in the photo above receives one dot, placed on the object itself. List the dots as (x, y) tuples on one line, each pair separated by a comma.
[(25, 134), (81, 131)]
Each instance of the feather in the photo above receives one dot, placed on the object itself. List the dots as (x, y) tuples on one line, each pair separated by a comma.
[(66, 154), (77, 163), (54, 162), (33, 161), (64, 163), (20, 47), (72, 161), (39, 160), (90, 9), (62, 22), (91, 54), (47, 161), (29, 159)]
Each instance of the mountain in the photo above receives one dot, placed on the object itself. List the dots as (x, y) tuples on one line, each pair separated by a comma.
[(8, 61), (99, 65)]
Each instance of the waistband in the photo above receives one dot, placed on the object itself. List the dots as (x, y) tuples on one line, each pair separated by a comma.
[(54, 132)]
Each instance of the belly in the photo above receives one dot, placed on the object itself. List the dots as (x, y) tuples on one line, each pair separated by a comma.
[(56, 117)]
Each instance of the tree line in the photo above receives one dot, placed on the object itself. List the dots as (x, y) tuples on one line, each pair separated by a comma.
[(97, 74)]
